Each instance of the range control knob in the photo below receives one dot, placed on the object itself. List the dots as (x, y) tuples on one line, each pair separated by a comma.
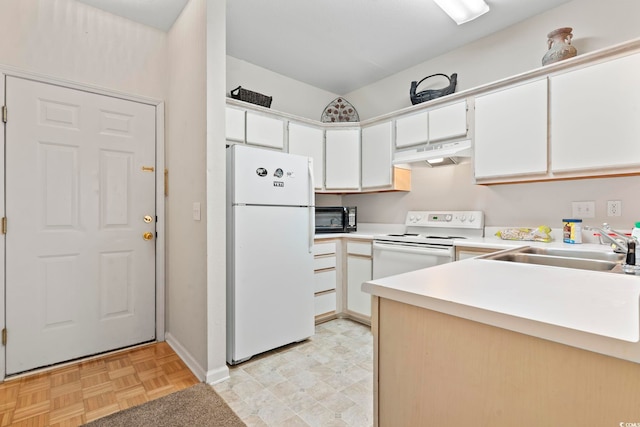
[(412, 218), (463, 218), (472, 218), (419, 218), (448, 217)]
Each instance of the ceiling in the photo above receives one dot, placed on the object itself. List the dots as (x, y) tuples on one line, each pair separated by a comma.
[(338, 45)]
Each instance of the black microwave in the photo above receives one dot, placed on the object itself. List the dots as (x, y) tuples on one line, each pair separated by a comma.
[(336, 219)]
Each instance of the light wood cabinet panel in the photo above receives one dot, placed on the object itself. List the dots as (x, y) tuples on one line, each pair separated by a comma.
[(265, 131), (595, 115), (309, 141), (511, 131), (342, 159), (499, 377), (377, 154)]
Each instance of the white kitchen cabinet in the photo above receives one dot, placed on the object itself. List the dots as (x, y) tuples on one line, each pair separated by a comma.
[(326, 277), (359, 270), (412, 129), (448, 122), (342, 165), (595, 116), (234, 124), (264, 130), (309, 141), (377, 153), (511, 131)]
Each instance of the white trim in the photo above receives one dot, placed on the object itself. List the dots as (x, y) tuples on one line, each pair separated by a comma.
[(215, 376), (186, 357), (8, 70), (5, 71), (160, 224), (3, 352)]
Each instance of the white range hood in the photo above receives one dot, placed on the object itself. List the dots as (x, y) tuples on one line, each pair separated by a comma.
[(436, 154)]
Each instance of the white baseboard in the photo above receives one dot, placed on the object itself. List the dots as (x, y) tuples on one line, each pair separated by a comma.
[(217, 375), (186, 357), (213, 376)]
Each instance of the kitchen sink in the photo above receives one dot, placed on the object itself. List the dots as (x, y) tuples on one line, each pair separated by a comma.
[(566, 258), (573, 253)]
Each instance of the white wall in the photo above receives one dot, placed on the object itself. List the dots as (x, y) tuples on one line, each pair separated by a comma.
[(72, 41), (216, 192), (289, 95), (596, 24), (532, 204), (186, 238)]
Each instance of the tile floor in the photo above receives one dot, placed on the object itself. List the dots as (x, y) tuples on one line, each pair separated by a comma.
[(325, 381)]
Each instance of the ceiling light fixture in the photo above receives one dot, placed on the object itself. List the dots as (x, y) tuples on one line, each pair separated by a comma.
[(463, 11)]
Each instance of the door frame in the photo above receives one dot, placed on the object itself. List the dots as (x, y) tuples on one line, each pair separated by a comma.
[(159, 190)]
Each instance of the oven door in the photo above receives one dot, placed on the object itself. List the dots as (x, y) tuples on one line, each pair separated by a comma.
[(395, 258)]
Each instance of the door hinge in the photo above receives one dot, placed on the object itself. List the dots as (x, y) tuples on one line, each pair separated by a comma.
[(4, 336), (4, 113), (4, 225)]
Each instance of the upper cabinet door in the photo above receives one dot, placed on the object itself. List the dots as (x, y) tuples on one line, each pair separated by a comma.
[(234, 124), (343, 159), (511, 131), (595, 116), (377, 155), (265, 131), (448, 122), (309, 141), (412, 130)]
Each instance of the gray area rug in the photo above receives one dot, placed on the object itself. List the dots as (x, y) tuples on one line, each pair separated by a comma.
[(198, 405)]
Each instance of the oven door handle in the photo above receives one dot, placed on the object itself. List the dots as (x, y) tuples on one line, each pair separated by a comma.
[(421, 250)]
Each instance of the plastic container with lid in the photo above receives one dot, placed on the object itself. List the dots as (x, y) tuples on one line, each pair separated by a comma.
[(572, 230)]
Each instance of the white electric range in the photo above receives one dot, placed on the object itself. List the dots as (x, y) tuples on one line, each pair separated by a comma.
[(427, 241)]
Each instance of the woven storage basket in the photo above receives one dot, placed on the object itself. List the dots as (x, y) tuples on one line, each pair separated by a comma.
[(249, 96)]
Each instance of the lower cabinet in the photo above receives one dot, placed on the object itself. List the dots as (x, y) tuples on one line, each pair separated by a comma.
[(341, 265), (325, 279), (359, 268)]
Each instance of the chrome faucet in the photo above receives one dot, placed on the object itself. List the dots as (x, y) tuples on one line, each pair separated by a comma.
[(618, 244)]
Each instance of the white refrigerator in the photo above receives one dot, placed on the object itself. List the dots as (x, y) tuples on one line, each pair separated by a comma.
[(270, 232)]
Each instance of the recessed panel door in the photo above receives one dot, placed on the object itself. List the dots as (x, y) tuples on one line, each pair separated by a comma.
[(80, 207)]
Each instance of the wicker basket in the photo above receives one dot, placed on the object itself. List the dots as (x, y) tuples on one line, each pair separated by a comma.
[(429, 94), (252, 97)]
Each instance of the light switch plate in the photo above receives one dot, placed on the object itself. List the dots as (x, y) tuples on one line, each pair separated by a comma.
[(196, 211), (583, 209)]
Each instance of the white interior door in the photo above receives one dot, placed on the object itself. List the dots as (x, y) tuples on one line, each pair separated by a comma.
[(80, 277)]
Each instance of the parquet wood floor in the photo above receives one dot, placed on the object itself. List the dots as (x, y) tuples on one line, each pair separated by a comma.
[(76, 394)]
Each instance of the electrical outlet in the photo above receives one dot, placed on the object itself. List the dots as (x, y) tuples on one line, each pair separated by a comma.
[(614, 208), (583, 209)]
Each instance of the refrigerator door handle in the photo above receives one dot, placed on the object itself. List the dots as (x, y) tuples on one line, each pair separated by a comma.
[(312, 214)]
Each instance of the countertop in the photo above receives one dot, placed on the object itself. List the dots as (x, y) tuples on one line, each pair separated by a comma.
[(596, 311)]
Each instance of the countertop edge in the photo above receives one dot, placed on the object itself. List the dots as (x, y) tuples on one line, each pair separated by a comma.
[(602, 344)]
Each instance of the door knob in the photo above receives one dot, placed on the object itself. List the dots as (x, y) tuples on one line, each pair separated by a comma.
[(147, 236), (147, 219)]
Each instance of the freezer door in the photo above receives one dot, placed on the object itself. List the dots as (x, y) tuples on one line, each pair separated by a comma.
[(270, 276), (266, 177)]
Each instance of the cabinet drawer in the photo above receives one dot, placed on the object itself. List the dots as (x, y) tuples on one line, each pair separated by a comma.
[(324, 281), (359, 248), (325, 303), (324, 248), (324, 262)]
